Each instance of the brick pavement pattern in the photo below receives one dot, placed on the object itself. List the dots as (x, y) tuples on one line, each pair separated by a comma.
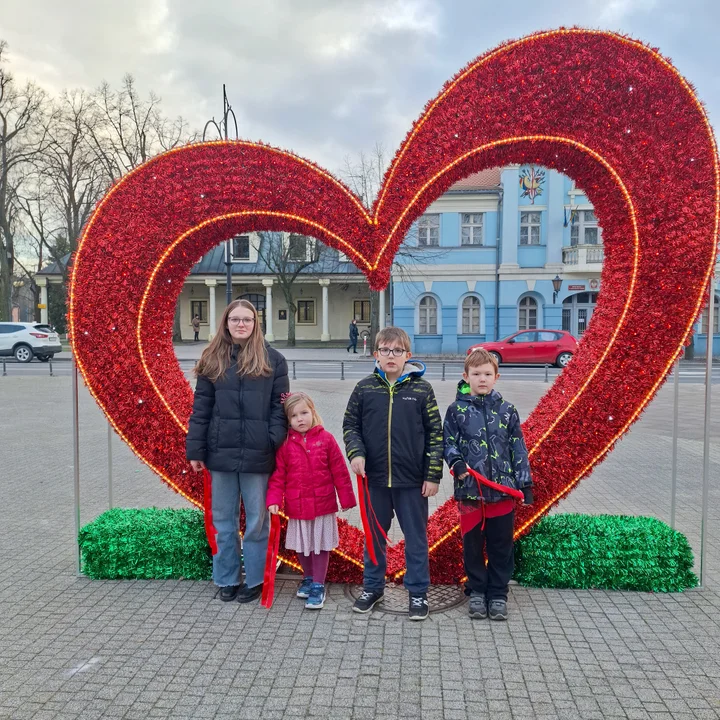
[(75, 648)]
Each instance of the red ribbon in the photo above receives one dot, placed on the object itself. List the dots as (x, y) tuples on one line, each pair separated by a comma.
[(210, 530), (366, 514), (268, 591), (468, 520)]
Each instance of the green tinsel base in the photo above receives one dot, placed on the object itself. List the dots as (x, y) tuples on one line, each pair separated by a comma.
[(613, 552), (149, 543)]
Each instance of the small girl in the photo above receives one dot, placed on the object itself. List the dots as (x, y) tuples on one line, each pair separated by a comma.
[(310, 469)]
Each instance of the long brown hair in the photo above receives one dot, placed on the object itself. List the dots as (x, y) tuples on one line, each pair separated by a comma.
[(216, 357)]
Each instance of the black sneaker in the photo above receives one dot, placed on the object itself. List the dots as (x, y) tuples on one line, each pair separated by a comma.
[(478, 607), (498, 610), (418, 607), (228, 593), (368, 600), (246, 594)]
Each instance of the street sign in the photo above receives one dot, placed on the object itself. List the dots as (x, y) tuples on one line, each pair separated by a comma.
[(42, 306)]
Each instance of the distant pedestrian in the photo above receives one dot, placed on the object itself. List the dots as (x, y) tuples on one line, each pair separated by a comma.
[(196, 328), (354, 333), (310, 471)]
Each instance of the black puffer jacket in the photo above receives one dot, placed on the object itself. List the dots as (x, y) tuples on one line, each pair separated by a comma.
[(238, 422), (483, 431)]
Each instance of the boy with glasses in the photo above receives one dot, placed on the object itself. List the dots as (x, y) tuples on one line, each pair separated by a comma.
[(393, 437)]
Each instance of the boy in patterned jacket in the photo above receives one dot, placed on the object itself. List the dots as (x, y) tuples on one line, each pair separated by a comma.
[(393, 437), (482, 433)]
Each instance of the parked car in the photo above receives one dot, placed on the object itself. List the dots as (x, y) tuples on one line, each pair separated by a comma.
[(554, 347), (23, 341)]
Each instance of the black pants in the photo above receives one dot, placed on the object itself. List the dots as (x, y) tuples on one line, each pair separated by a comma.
[(497, 537), (197, 336), (353, 344)]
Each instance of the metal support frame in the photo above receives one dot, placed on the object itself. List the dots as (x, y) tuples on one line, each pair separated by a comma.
[(676, 401), (706, 437)]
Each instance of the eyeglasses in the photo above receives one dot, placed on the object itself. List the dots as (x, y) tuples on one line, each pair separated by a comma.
[(395, 352), (241, 321)]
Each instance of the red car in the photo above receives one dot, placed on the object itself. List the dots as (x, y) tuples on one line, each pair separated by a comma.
[(554, 347)]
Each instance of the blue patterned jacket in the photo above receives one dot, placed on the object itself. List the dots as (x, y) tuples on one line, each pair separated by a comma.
[(484, 432)]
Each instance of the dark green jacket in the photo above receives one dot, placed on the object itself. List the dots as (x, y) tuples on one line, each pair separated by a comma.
[(396, 428)]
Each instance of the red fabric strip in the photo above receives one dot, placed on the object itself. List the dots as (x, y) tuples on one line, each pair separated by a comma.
[(268, 591), (210, 530), (369, 543)]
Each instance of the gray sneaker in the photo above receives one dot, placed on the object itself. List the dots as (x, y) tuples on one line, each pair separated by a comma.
[(478, 607), (498, 610)]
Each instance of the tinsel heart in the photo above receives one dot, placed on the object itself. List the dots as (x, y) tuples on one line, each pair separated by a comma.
[(606, 110)]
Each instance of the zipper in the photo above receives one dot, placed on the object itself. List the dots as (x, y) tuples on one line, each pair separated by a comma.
[(487, 437), (392, 395)]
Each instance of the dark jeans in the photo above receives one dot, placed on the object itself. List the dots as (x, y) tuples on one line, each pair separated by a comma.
[(353, 344), (497, 537), (411, 509), (197, 336)]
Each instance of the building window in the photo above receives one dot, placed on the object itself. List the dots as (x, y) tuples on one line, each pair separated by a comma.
[(199, 308), (301, 249), (241, 247), (361, 310), (471, 230), (584, 229), (530, 228), (527, 319), (306, 312), (716, 320), (428, 316), (471, 315), (429, 231)]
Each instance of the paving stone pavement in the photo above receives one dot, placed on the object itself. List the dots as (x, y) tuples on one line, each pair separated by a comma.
[(75, 648)]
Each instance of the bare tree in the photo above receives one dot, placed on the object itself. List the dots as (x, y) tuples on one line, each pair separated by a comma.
[(286, 257), (22, 139)]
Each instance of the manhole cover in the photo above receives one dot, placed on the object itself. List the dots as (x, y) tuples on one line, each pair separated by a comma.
[(440, 597)]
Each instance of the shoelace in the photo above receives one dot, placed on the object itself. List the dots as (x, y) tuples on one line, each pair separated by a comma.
[(366, 595), (418, 602)]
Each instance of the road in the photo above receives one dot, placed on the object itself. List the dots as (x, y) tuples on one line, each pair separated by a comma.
[(356, 369)]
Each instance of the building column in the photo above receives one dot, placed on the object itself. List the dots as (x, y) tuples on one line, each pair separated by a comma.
[(268, 283), (42, 283), (212, 320), (381, 310), (325, 337)]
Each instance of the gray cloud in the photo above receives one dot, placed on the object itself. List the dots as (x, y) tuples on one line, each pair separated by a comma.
[(323, 78)]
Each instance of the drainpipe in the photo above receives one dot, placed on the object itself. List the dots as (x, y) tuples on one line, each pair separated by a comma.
[(497, 265)]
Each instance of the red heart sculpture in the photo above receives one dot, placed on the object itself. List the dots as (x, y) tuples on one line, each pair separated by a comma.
[(606, 110)]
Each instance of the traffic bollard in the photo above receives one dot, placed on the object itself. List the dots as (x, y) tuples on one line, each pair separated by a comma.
[(50, 364), (342, 370), (4, 368), (294, 374), (443, 374), (547, 375)]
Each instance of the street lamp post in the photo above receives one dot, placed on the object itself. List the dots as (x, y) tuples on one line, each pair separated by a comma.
[(557, 286), (223, 132)]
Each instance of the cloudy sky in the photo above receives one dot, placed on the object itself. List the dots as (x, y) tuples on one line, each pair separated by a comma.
[(326, 78)]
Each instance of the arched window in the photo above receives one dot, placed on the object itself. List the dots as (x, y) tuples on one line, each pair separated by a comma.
[(527, 313), (471, 315), (428, 316), (716, 322)]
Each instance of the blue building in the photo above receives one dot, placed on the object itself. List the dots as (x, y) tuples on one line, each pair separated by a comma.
[(490, 254)]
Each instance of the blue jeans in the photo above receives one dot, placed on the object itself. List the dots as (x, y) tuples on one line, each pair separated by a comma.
[(411, 509), (227, 489)]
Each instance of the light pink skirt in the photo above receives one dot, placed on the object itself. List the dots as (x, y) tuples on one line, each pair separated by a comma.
[(309, 537)]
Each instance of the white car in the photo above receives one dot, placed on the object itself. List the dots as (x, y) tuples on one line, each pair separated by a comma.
[(23, 341)]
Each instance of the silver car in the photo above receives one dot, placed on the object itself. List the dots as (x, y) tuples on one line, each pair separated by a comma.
[(23, 341)]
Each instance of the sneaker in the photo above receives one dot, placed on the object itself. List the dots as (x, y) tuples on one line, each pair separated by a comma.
[(246, 594), (304, 590), (498, 610), (368, 600), (418, 607), (228, 593), (317, 597), (478, 607)]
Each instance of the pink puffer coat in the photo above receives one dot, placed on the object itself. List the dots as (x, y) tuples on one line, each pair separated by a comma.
[(309, 470)]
